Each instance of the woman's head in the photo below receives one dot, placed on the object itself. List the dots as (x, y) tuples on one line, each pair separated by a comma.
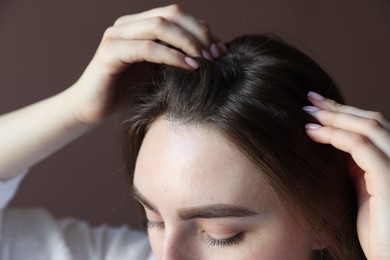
[(229, 139)]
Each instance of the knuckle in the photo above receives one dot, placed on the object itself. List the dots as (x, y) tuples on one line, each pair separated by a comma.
[(377, 115), (188, 41), (205, 30), (373, 124), (106, 44), (108, 32), (175, 9), (159, 22), (336, 106), (120, 20), (361, 140), (148, 46), (106, 53), (190, 45)]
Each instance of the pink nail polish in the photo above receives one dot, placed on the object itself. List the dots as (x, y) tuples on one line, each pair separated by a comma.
[(310, 109), (214, 50), (223, 47), (207, 55), (315, 96), (312, 126), (191, 62)]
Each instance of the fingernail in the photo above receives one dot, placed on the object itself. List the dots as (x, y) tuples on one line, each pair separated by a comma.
[(207, 55), (312, 126), (310, 109), (214, 50), (191, 62), (222, 47), (315, 96)]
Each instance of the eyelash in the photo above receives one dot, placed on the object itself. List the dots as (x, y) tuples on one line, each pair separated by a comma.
[(149, 224), (231, 241)]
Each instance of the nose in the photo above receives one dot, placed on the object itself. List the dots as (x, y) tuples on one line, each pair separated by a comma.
[(177, 247)]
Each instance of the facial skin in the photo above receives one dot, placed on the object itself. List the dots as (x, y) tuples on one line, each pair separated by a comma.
[(204, 200)]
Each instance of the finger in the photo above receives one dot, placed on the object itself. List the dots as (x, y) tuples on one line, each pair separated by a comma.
[(158, 28), (366, 155), (159, 11), (332, 105), (205, 24), (120, 53), (215, 50), (201, 31), (176, 15), (222, 47), (368, 127)]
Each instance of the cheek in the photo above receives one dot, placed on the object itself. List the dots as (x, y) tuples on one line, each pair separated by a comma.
[(156, 242)]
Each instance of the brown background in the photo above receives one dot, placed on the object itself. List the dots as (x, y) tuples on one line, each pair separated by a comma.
[(45, 44)]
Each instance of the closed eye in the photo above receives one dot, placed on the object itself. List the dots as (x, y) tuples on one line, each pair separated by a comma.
[(234, 240), (151, 224)]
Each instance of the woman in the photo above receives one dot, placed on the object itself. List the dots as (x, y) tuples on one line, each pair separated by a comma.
[(233, 131), (250, 214)]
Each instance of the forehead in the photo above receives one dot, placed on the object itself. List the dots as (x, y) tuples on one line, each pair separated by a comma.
[(193, 165)]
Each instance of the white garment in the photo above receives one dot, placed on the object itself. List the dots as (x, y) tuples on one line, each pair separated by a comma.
[(34, 234)]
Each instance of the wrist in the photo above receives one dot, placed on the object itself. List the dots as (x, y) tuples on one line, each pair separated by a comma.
[(90, 98), (70, 103)]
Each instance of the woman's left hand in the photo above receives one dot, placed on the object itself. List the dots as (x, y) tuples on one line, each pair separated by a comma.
[(365, 136)]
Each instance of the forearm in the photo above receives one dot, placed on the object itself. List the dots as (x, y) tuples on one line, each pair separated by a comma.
[(32, 133)]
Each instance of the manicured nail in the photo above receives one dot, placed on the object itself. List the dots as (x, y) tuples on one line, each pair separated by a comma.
[(214, 50), (207, 55), (311, 126), (222, 47), (315, 96), (191, 62), (310, 109)]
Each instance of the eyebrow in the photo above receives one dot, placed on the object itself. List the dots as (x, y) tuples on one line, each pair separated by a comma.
[(215, 211), (206, 211)]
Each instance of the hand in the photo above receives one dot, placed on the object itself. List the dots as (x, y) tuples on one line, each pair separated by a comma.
[(164, 35), (365, 136)]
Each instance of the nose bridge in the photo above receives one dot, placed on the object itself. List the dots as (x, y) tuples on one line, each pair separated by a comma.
[(177, 247)]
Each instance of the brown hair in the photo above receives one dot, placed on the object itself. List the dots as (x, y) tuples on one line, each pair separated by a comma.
[(254, 95)]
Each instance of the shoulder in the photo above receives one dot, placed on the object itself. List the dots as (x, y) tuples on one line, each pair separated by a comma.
[(38, 232)]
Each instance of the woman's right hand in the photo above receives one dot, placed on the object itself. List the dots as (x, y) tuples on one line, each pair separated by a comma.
[(164, 35)]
